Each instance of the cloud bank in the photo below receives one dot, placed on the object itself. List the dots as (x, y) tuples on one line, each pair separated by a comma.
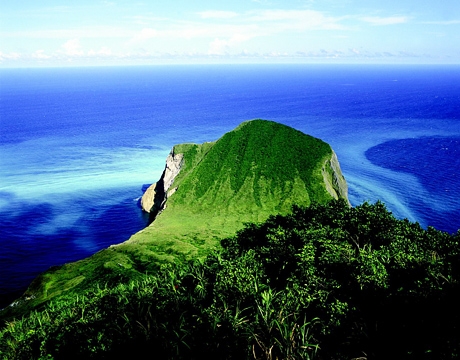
[(298, 35)]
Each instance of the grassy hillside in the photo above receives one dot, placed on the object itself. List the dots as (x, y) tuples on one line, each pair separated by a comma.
[(323, 282), (258, 169), (257, 158)]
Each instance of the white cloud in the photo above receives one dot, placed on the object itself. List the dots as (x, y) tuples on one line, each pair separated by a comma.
[(73, 48), (184, 31), (213, 34), (93, 32), (355, 51), (447, 22), (147, 19), (298, 19), (104, 51), (40, 54), (145, 34), (217, 14), (240, 27), (193, 31), (220, 47), (379, 21), (9, 56)]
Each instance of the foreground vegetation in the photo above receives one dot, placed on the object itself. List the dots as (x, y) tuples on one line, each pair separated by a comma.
[(324, 282)]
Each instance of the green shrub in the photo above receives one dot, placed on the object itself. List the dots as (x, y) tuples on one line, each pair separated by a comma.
[(325, 282)]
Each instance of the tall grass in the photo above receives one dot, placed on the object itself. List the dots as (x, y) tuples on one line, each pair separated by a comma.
[(327, 282)]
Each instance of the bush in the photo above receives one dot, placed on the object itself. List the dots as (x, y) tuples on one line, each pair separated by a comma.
[(325, 282)]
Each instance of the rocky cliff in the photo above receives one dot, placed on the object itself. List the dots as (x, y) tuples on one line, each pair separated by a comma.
[(154, 199), (333, 178)]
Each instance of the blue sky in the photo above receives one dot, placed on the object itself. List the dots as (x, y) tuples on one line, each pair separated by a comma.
[(121, 32)]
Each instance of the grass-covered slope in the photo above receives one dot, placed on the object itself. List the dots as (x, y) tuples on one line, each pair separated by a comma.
[(324, 282), (258, 169), (258, 158)]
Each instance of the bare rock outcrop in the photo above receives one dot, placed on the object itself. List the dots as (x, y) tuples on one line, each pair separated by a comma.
[(336, 184), (147, 200), (154, 199)]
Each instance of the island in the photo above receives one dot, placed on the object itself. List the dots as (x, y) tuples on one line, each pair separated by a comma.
[(253, 252)]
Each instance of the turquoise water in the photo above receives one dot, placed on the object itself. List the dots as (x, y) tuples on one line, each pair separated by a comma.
[(77, 145)]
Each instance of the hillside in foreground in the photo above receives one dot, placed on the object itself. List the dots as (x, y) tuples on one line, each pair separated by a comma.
[(322, 282), (259, 169)]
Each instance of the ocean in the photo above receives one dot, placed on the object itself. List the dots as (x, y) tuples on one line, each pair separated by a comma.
[(79, 145)]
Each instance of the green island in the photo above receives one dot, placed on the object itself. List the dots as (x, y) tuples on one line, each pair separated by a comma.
[(254, 252)]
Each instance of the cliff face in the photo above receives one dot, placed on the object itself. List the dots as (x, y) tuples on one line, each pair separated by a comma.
[(154, 199), (334, 179), (148, 199)]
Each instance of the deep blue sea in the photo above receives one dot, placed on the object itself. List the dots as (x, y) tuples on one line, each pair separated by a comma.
[(77, 145)]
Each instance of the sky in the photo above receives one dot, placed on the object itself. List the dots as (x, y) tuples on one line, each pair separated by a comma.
[(36, 33)]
